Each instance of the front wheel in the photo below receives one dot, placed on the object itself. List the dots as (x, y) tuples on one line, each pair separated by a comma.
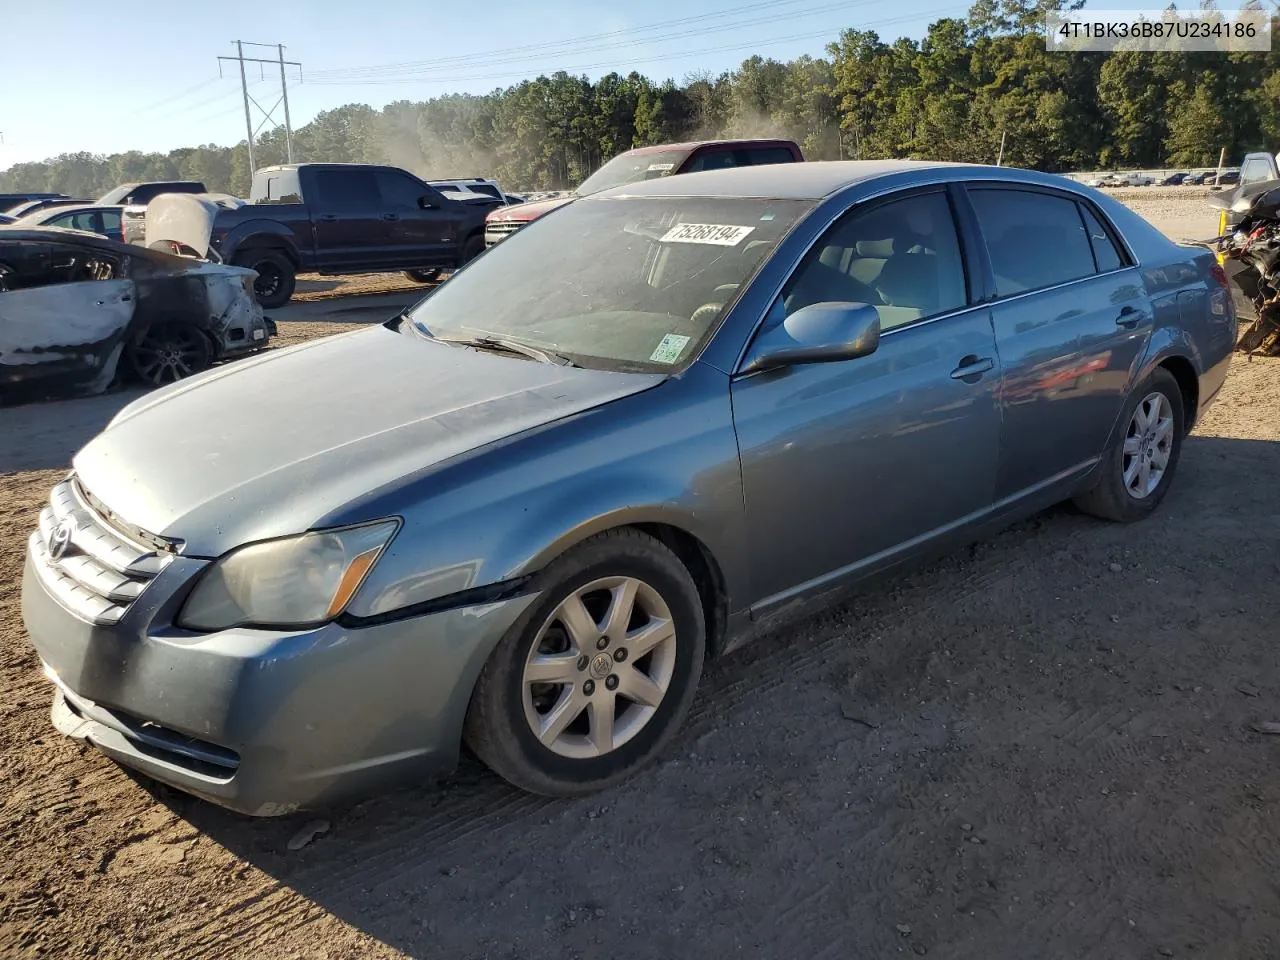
[(597, 675), (1136, 471)]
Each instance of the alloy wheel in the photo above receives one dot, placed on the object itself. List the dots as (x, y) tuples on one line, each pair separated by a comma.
[(1148, 444), (599, 667)]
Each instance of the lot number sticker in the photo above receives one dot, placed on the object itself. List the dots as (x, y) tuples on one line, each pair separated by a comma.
[(668, 350), (716, 234)]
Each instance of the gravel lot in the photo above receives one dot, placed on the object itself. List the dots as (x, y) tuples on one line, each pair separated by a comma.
[(1037, 747)]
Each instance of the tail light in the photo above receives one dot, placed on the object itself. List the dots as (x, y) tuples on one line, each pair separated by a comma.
[(1221, 276)]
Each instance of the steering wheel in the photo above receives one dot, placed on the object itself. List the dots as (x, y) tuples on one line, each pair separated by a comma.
[(706, 313)]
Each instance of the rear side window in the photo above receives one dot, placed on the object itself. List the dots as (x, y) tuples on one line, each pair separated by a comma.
[(347, 191), (1104, 250), (486, 188), (760, 155), (1035, 240), (1254, 171)]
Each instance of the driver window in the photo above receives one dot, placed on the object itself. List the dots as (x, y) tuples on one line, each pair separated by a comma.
[(901, 257)]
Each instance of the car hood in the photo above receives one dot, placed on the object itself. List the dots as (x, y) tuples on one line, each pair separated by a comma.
[(272, 445), (182, 218), (524, 212)]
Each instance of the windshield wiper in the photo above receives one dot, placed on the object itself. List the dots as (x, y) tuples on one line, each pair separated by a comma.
[(507, 345)]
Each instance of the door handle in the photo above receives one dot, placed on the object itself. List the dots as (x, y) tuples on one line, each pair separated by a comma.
[(327, 218), (391, 216), (1128, 318), (972, 368)]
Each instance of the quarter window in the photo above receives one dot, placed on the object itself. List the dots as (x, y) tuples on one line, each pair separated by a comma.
[(901, 257), (1104, 249), (1035, 240)]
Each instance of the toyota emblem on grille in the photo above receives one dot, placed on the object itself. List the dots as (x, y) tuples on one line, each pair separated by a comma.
[(60, 538)]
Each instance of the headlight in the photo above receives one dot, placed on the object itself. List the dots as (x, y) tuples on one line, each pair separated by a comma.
[(295, 582)]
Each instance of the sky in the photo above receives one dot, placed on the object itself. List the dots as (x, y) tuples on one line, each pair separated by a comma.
[(152, 81)]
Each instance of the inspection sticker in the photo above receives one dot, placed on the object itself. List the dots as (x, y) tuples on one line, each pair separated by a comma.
[(668, 350), (716, 234)]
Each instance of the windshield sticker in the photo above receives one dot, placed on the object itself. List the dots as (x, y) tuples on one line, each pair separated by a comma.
[(669, 349), (716, 234), (661, 167)]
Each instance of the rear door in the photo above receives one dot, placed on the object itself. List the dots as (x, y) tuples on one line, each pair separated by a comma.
[(346, 212), (67, 331), (415, 237), (1072, 319)]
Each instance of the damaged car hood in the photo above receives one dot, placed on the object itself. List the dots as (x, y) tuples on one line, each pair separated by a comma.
[(182, 218), (273, 445)]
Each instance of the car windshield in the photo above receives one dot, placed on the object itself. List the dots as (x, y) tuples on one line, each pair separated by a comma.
[(631, 284), (632, 167)]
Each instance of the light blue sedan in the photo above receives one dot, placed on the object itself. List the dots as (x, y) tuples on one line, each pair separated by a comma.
[(523, 514)]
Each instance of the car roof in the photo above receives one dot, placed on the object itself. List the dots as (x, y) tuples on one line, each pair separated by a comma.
[(691, 145), (72, 210), (815, 180), (80, 238)]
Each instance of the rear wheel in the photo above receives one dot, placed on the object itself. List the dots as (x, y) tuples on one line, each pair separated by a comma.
[(429, 275), (1136, 471), (597, 675), (168, 352), (470, 250), (276, 277)]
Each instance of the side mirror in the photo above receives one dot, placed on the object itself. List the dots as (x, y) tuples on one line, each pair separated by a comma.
[(818, 333), (426, 203)]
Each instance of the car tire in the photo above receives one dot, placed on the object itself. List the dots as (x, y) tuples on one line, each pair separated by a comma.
[(1151, 431), (511, 723), (168, 352), (429, 275), (276, 278)]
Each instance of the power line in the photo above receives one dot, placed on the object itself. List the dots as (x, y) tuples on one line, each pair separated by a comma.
[(555, 47), (425, 71), (178, 96), (752, 45)]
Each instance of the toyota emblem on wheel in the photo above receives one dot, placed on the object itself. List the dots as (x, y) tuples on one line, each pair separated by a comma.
[(60, 538)]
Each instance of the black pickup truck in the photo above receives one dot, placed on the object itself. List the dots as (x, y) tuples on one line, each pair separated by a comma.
[(343, 218)]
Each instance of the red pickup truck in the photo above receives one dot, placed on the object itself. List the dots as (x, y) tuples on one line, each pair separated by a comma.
[(646, 163)]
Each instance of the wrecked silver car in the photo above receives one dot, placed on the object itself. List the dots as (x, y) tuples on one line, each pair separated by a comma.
[(79, 311)]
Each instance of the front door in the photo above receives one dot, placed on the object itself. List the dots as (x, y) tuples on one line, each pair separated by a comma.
[(416, 236), (350, 232), (847, 465), (1072, 320)]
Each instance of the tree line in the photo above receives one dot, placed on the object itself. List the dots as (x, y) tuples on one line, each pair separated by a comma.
[(950, 96)]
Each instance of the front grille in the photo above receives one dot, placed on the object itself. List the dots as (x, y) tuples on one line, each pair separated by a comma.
[(500, 230), (103, 569)]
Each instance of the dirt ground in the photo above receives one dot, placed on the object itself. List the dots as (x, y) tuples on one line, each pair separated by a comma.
[(1039, 747)]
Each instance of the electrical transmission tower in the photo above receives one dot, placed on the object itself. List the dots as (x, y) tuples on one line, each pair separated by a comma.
[(266, 113)]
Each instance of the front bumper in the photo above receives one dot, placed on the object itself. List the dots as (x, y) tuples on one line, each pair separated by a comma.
[(261, 722)]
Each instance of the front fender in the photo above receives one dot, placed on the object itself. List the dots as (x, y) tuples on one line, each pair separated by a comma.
[(665, 456)]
